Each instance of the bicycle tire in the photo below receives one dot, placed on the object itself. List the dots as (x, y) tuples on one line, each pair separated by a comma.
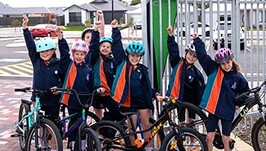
[(111, 135), (23, 111), (89, 136), (171, 141), (256, 137), (50, 134), (91, 118), (200, 122)]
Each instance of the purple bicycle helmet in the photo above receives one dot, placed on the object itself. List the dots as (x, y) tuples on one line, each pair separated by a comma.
[(223, 55)]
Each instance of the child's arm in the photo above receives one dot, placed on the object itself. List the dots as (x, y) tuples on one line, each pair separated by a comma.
[(99, 13), (63, 48), (117, 47), (173, 49), (205, 60), (94, 52), (31, 46)]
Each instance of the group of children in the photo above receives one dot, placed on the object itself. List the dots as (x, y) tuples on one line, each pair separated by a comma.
[(100, 62)]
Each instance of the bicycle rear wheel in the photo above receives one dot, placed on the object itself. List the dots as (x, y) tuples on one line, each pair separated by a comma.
[(89, 141), (258, 135), (191, 140), (111, 135), (91, 118), (23, 111), (45, 136)]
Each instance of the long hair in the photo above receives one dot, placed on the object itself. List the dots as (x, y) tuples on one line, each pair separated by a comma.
[(237, 66)]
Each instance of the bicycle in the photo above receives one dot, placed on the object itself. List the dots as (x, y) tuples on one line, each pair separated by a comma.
[(82, 124), (113, 136), (33, 126), (252, 97)]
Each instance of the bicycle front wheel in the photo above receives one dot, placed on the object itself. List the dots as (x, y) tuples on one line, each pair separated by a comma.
[(111, 135), (89, 141), (191, 140), (258, 135), (45, 136), (23, 111)]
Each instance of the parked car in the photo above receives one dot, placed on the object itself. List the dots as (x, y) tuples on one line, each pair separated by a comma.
[(137, 25), (262, 24), (43, 30), (220, 28), (192, 29)]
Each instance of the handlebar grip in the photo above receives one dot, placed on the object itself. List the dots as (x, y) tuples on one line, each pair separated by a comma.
[(242, 95), (22, 89)]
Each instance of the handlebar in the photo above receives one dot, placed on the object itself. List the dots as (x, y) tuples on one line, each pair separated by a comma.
[(170, 102), (253, 90), (73, 91), (29, 89)]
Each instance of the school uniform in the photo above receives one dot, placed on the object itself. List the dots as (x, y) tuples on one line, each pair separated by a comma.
[(131, 87), (186, 84), (221, 88), (80, 78), (45, 76), (104, 70)]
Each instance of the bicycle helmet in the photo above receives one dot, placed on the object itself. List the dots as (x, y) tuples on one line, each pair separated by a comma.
[(80, 46), (45, 44), (106, 39), (135, 48), (223, 55), (85, 31), (190, 48)]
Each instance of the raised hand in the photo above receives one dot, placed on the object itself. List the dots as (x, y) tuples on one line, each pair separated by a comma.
[(99, 13), (114, 23), (25, 21), (170, 30), (195, 35), (58, 32), (97, 25)]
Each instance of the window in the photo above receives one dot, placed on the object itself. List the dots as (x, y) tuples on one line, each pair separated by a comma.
[(75, 17)]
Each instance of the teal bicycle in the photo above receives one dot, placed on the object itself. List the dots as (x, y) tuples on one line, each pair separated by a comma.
[(35, 132)]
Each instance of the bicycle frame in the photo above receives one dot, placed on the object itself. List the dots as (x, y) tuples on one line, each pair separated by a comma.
[(78, 123), (31, 116), (163, 118)]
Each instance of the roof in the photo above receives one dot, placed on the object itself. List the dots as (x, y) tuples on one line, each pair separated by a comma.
[(7, 10), (56, 10), (106, 5), (35, 10), (75, 6), (88, 7)]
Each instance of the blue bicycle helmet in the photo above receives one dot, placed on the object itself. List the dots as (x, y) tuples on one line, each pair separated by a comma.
[(135, 48), (45, 44), (106, 39)]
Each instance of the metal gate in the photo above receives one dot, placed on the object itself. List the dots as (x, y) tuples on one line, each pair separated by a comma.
[(238, 24)]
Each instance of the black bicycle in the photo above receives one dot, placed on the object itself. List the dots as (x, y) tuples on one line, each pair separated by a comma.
[(253, 97), (86, 135), (114, 136)]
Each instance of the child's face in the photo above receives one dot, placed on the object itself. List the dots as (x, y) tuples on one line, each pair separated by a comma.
[(190, 58), (47, 55), (227, 66), (134, 59), (87, 38), (106, 49), (79, 56)]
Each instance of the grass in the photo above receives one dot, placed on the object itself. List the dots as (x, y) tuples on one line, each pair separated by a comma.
[(74, 28)]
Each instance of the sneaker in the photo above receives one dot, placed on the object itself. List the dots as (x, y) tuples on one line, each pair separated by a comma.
[(72, 145), (83, 144)]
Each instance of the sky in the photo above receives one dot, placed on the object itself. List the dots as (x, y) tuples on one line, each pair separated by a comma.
[(43, 3)]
